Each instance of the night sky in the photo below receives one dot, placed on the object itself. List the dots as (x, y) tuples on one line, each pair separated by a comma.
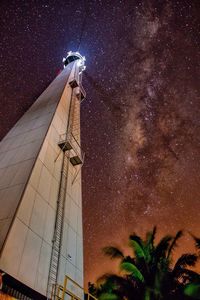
[(140, 122)]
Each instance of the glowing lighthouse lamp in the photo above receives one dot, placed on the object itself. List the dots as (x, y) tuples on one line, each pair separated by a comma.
[(72, 56), (76, 82)]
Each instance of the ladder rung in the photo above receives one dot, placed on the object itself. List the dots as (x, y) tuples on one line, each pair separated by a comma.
[(56, 247), (52, 272), (61, 208), (52, 278), (58, 226), (57, 242), (56, 250), (54, 266), (60, 213), (55, 261), (57, 239), (55, 258)]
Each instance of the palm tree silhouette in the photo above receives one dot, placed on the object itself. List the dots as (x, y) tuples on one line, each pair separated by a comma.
[(193, 288), (150, 274)]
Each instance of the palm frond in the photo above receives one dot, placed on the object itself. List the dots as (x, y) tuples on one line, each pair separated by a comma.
[(133, 270), (151, 237), (193, 290), (162, 247), (136, 238), (108, 296), (185, 260), (149, 244), (113, 252), (129, 259), (188, 275), (147, 295), (138, 250), (115, 279), (100, 280), (105, 284), (122, 286), (178, 235), (197, 242)]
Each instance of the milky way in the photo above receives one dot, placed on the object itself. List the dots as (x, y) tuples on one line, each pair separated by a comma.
[(140, 123)]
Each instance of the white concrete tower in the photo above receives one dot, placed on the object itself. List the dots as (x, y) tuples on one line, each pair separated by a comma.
[(40, 189)]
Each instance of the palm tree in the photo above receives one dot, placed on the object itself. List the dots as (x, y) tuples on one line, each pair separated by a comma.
[(149, 274), (197, 243), (192, 289)]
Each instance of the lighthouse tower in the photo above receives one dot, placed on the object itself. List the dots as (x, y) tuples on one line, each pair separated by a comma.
[(41, 242)]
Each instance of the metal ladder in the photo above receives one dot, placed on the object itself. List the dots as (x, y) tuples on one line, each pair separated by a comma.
[(74, 128), (58, 228), (75, 122)]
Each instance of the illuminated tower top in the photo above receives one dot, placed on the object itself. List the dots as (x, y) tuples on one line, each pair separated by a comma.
[(76, 83), (72, 56)]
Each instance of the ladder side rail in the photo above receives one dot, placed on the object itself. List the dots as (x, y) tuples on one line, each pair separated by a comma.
[(59, 222)]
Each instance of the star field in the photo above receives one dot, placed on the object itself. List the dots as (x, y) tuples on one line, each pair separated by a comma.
[(140, 122)]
